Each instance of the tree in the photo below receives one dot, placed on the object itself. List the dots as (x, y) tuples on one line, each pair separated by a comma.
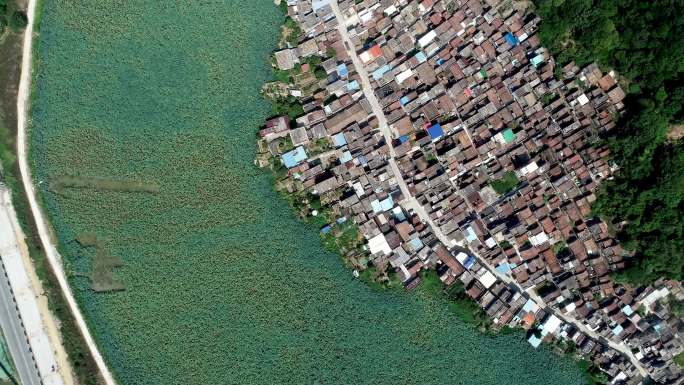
[(643, 42), (18, 21), (506, 184)]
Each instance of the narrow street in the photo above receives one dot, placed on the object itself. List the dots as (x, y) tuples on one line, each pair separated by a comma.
[(411, 203)]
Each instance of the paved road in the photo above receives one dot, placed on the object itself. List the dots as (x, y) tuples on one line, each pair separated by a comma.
[(23, 299), (51, 253), (13, 330), (411, 203)]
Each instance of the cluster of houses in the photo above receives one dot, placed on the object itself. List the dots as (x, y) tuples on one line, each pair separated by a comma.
[(497, 144)]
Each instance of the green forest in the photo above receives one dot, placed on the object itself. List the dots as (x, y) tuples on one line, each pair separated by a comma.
[(644, 42)]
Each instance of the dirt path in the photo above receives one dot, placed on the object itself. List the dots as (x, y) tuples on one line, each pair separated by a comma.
[(50, 249)]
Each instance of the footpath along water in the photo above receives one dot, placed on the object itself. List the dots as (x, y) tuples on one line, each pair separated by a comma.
[(222, 284)]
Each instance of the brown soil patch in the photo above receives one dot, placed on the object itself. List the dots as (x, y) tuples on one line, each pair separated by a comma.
[(676, 132), (10, 62)]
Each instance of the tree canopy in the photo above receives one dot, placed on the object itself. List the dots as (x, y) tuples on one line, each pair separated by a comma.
[(643, 41)]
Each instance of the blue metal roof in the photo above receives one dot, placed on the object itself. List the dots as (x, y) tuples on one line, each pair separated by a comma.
[(416, 243), (294, 157), (318, 4), (618, 329), (404, 100), (377, 74), (403, 139), (511, 39), (387, 203), (339, 139), (382, 205), (537, 60), (346, 157), (503, 268), (534, 341), (342, 70), (420, 56), (435, 131), (399, 214)]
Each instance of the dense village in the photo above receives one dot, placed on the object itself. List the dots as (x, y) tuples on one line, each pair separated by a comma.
[(439, 135)]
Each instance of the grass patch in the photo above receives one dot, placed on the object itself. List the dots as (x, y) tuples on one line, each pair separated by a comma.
[(59, 184), (592, 373), (679, 360), (102, 270), (505, 184)]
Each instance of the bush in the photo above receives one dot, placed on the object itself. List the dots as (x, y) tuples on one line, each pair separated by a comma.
[(505, 184), (18, 21), (290, 107)]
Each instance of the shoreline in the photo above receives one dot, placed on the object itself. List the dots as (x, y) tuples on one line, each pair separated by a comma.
[(288, 181)]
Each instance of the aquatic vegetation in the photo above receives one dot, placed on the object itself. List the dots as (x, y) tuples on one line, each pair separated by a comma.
[(223, 284)]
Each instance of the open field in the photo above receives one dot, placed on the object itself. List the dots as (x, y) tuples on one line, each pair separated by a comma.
[(223, 284)]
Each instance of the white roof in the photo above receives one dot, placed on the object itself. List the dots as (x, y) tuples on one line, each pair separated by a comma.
[(570, 307), (582, 99), (389, 11), (358, 188), (487, 279), (365, 57), (366, 16), (620, 377), (427, 38), (379, 243), (539, 239), (404, 75), (531, 167), (461, 257), (551, 325), (655, 296)]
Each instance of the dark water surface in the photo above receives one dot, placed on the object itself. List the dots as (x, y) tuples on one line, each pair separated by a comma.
[(223, 284)]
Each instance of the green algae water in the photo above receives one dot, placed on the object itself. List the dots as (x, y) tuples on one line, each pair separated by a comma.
[(222, 284)]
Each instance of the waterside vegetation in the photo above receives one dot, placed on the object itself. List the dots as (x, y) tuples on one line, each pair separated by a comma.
[(12, 21)]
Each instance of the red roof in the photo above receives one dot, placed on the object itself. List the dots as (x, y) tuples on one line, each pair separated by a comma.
[(375, 51)]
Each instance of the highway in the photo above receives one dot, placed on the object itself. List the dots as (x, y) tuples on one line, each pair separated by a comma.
[(21, 302), (13, 330), (411, 203)]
